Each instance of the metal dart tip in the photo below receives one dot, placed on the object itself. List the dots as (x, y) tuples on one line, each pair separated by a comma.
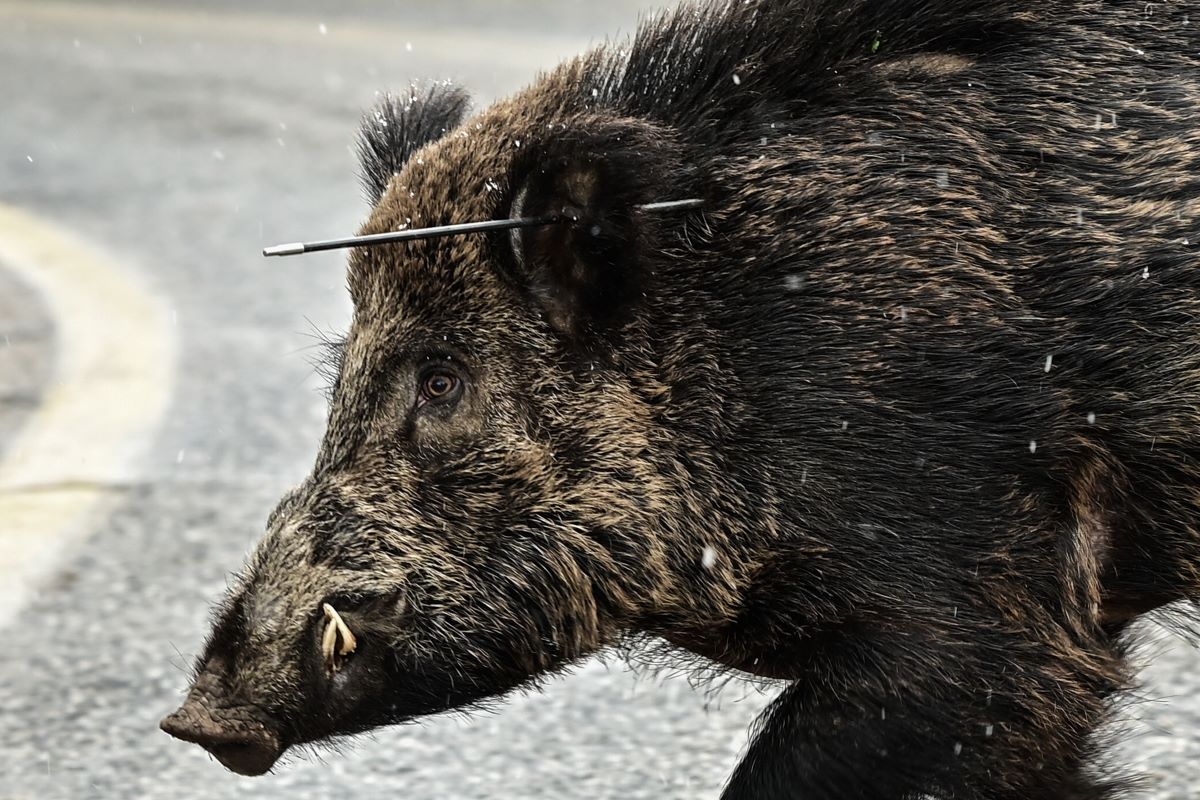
[(292, 249)]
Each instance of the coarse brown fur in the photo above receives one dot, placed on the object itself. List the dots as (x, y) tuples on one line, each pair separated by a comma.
[(908, 415)]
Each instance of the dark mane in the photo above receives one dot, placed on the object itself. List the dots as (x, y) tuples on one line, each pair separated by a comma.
[(715, 70)]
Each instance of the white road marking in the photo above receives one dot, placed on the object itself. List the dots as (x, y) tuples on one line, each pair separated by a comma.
[(115, 351)]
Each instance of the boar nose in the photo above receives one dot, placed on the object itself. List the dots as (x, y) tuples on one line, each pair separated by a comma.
[(235, 736)]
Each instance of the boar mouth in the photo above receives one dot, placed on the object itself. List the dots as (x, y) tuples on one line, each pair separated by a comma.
[(239, 740)]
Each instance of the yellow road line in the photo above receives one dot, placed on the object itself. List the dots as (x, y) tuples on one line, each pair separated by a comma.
[(485, 47), (115, 351)]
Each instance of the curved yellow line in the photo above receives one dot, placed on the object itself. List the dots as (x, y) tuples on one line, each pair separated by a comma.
[(114, 352)]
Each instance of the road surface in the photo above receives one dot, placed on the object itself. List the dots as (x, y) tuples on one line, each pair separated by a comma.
[(154, 147)]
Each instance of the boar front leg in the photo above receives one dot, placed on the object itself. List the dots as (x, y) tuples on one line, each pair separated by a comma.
[(1014, 730)]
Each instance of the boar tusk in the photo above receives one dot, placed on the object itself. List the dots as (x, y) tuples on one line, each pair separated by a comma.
[(337, 641), (329, 642)]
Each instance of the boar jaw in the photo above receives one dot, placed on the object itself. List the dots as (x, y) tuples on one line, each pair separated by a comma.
[(240, 737)]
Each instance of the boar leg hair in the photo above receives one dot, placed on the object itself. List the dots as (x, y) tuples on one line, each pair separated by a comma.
[(1001, 734)]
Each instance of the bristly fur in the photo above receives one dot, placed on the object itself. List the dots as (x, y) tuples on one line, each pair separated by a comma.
[(326, 361), (400, 125), (906, 418)]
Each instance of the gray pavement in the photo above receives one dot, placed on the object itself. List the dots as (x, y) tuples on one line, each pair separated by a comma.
[(26, 355), (182, 140)]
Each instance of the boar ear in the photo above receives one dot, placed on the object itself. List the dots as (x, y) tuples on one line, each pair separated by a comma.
[(399, 126), (588, 272)]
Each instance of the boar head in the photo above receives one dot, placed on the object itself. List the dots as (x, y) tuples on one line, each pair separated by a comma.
[(498, 493)]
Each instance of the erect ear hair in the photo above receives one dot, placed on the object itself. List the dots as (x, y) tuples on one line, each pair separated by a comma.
[(588, 272), (398, 126)]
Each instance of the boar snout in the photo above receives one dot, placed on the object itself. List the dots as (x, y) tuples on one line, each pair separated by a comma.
[(241, 737)]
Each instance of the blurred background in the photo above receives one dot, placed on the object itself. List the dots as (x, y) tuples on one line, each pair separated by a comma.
[(157, 396)]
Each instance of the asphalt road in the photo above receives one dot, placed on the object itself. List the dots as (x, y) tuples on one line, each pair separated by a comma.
[(180, 141)]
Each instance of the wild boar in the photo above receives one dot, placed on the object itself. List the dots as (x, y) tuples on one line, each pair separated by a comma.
[(906, 416)]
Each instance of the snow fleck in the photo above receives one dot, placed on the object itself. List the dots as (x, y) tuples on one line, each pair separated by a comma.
[(77, 43), (1033, 445), (280, 142), (1079, 216), (1099, 122), (491, 185), (595, 92), (322, 29), (179, 457), (988, 729), (218, 155), (804, 476), (1091, 418), (1049, 363), (595, 230), (408, 46), (943, 178), (1113, 118), (903, 314), (708, 558), (794, 282), (845, 425), (958, 748), (883, 713), (737, 79), (1145, 272), (29, 159)]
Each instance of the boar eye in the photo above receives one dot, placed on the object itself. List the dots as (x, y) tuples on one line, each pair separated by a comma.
[(439, 385)]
